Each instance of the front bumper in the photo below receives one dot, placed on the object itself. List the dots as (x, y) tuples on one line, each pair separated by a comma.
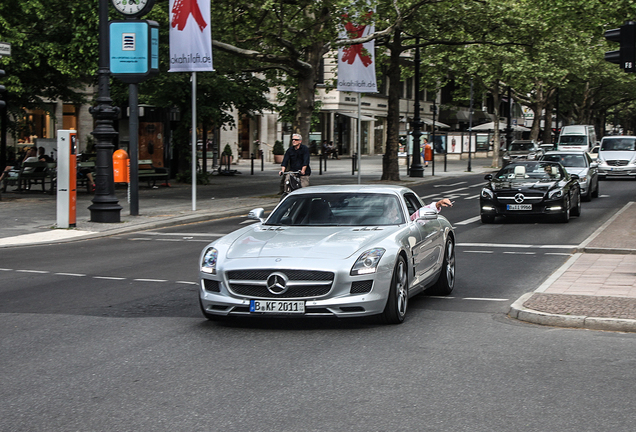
[(612, 171), (493, 207), (218, 297)]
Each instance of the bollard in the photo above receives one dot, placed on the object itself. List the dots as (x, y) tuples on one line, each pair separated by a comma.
[(252, 162), (320, 164), (353, 163), (260, 152), (325, 157), (408, 165)]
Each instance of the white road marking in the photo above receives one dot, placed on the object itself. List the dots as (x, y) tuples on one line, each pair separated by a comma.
[(187, 282), (184, 235), (485, 299), (4, 269), (520, 246), (450, 185), (33, 271), (472, 197), (467, 221), (519, 253), (169, 240), (109, 277), (150, 280), (558, 253), (70, 274), (479, 251)]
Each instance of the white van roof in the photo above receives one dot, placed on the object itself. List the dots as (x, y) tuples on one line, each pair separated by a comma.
[(575, 129)]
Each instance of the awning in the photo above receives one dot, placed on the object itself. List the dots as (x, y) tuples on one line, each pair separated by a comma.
[(502, 126), (355, 115), (437, 124)]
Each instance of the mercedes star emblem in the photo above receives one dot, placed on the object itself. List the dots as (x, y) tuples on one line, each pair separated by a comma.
[(277, 283), (519, 198)]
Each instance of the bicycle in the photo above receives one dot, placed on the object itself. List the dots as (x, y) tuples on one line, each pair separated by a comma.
[(292, 182)]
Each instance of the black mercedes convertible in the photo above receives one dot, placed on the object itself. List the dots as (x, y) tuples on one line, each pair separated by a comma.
[(531, 188)]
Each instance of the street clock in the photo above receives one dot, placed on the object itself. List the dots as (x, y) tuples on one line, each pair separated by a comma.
[(133, 8)]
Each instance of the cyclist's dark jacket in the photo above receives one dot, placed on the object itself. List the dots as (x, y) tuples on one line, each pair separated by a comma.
[(297, 159)]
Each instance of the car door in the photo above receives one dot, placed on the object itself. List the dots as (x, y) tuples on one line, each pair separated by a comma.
[(427, 251)]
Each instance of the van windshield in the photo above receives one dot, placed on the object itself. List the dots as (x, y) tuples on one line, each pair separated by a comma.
[(580, 140), (618, 144)]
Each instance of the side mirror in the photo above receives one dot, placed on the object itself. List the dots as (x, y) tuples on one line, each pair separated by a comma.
[(574, 176), (488, 177), (593, 165), (257, 214), (428, 215)]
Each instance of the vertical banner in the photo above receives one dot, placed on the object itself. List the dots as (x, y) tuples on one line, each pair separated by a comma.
[(356, 63), (190, 36)]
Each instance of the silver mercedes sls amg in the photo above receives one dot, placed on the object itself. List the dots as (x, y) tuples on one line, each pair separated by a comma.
[(339, 251)]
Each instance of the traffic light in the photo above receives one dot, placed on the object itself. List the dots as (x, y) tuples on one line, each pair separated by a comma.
[(626, 56), (3, 90)]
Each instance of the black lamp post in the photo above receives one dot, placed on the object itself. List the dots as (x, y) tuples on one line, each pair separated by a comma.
[(105, 207), (433, 135), (417, 170), (470, 125)]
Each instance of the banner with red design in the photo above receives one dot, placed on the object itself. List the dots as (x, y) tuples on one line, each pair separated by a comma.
[(356, 63), (190, 36)]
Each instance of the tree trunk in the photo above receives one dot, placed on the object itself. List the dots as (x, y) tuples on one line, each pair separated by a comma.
[(547, 122), (496, 98), (390, 168)]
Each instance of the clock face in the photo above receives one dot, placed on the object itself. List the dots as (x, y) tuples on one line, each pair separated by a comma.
[(130, 7)]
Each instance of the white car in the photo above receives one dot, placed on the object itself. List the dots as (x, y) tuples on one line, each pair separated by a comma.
[(617, 156), (579, 163), (330, 251)]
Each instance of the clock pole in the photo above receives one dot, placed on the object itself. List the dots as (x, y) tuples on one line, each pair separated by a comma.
[(105, 207)]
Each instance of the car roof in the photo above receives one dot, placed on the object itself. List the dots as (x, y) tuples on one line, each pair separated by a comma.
[(385, 189), (618, 136), (559, 152)]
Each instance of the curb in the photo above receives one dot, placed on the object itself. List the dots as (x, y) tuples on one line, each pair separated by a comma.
[(521, 313)]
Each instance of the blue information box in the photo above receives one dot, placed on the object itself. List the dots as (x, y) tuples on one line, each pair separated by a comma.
[(134, 50)]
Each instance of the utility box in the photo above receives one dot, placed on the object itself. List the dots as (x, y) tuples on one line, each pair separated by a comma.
[(66, 178)]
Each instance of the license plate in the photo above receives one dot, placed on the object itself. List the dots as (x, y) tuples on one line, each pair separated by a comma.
[(519, 206), (277, 306)]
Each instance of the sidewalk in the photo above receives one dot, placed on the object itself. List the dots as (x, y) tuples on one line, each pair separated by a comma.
[(594, 289)]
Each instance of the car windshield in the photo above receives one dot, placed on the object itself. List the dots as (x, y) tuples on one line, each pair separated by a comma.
[(338, 209), (531, 171), (579, 140), (521, 146), (567, 160), (618, 144)]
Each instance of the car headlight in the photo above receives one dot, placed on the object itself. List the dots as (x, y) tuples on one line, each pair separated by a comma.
[(487, 193), (558, 193), (367, 262), (208, 263), (582, 179)]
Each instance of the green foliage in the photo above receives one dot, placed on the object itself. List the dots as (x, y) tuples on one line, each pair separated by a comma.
[(278, 149), (227, 151)]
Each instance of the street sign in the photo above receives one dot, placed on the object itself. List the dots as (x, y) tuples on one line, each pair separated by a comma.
[(5, 49)]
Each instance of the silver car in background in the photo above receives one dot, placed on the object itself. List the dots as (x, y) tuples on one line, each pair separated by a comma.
[(617, 156), (520, 150), (330, 251), (580, 163)]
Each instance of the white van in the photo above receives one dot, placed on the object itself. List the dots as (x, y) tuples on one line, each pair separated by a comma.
[(617, 156), (577, 137)]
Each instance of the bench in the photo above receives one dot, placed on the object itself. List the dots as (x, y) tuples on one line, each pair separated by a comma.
[(32, 173), (149, 173)]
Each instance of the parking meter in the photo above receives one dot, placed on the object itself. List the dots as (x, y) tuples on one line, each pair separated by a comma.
[(66, 178)]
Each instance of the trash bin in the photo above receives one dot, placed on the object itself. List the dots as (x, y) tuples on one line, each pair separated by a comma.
[(121, 166)]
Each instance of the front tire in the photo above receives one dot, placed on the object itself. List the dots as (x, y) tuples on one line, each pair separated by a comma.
[(446, 282), (565, 216), (397, 303), (487, 219), (576, 211)]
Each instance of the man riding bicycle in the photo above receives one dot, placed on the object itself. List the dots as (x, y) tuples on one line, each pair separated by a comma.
[(297, 159)]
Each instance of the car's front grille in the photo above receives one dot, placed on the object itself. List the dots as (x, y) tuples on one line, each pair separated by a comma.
[(527, 197), (361, 287), (211, 285), (292, 292), (299, 284), (617, 163), (293, 275)]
